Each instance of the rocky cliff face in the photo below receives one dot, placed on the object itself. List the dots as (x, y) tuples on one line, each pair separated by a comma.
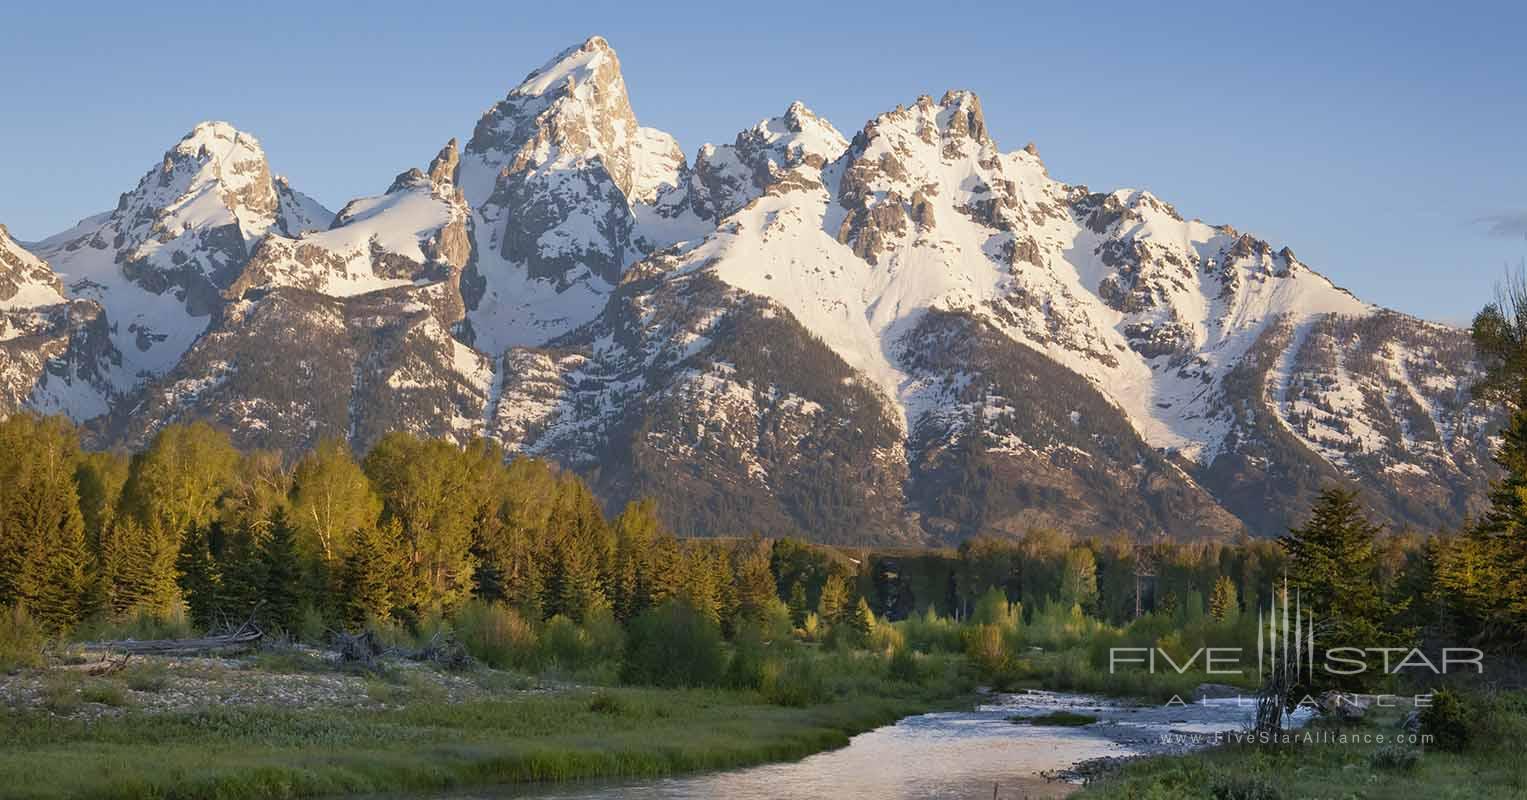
[(906, 334), (55, 353)]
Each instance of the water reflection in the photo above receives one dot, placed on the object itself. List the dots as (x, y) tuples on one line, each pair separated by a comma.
[(962, 754)]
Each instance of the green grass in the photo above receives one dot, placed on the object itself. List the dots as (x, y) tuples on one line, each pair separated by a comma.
[(247, 753), (1492, 770), (1059, 719), (107, 693)]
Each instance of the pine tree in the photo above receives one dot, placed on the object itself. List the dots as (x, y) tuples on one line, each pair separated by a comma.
[(1222, 601), (670, 568), (833, 603), (799, 607), (282, 574), (1166, 604), (42, 533), (369, 578), (142, 565), (636, 532), (1492, 583), (1331, 566), (1332, 561), (755, 583), (700, 588), (99, 478), (200, 578), (242, 567), (863, 619)]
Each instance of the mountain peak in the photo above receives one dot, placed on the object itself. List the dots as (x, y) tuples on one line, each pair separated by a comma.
[(215, 161), (25, 280), (213, 134), (962, 114), (593, 63), (442, 170), (576, 101)]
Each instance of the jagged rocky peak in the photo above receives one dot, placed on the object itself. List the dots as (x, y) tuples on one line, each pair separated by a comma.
[(777, 155), (442, 169), (959, 113), (904, 160), (193, 221), (53, 351), (26, 281), (576, 106), (558, 168), (412, 235)]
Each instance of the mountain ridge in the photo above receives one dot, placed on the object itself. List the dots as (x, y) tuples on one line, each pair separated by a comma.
[(570, 284)]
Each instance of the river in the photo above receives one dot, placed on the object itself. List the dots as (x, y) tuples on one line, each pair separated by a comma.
[(973, 754)]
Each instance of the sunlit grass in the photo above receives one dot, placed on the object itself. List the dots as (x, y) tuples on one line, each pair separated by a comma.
[(248, 753)]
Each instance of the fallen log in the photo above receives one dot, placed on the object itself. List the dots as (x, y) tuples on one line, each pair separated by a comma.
[(245, 637)]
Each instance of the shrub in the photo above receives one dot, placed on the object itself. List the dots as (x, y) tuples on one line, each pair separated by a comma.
[(563, 644), (1244, 787), (104, 692), (1448, 720), (311, 627), (773, 622), (139, 624), (606, 639), (794, 682), (745, 670), (496, 635), (988, 651), (1056, 626), (1394, 757), (904, 666), (21, 639), (391, 634), (606, 703), (886, 639), (149, 677), (673, 645), (61, 691), (931, 633)]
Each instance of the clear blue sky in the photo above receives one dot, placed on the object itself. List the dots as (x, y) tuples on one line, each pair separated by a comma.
[(1385, 145)]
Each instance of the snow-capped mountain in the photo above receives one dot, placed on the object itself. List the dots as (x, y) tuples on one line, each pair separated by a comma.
[(55, 353), (907, 334), (160, 261)]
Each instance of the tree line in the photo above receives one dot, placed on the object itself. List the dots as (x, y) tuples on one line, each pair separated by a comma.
[(419, 526), (415, 527)]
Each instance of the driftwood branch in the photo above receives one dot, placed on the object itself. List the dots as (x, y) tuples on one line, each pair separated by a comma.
[(243, 637), (108, 666)]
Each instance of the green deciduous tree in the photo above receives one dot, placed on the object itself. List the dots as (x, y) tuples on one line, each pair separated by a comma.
[(1079, 579), (422, 485), (332, 501), (178, 481)]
